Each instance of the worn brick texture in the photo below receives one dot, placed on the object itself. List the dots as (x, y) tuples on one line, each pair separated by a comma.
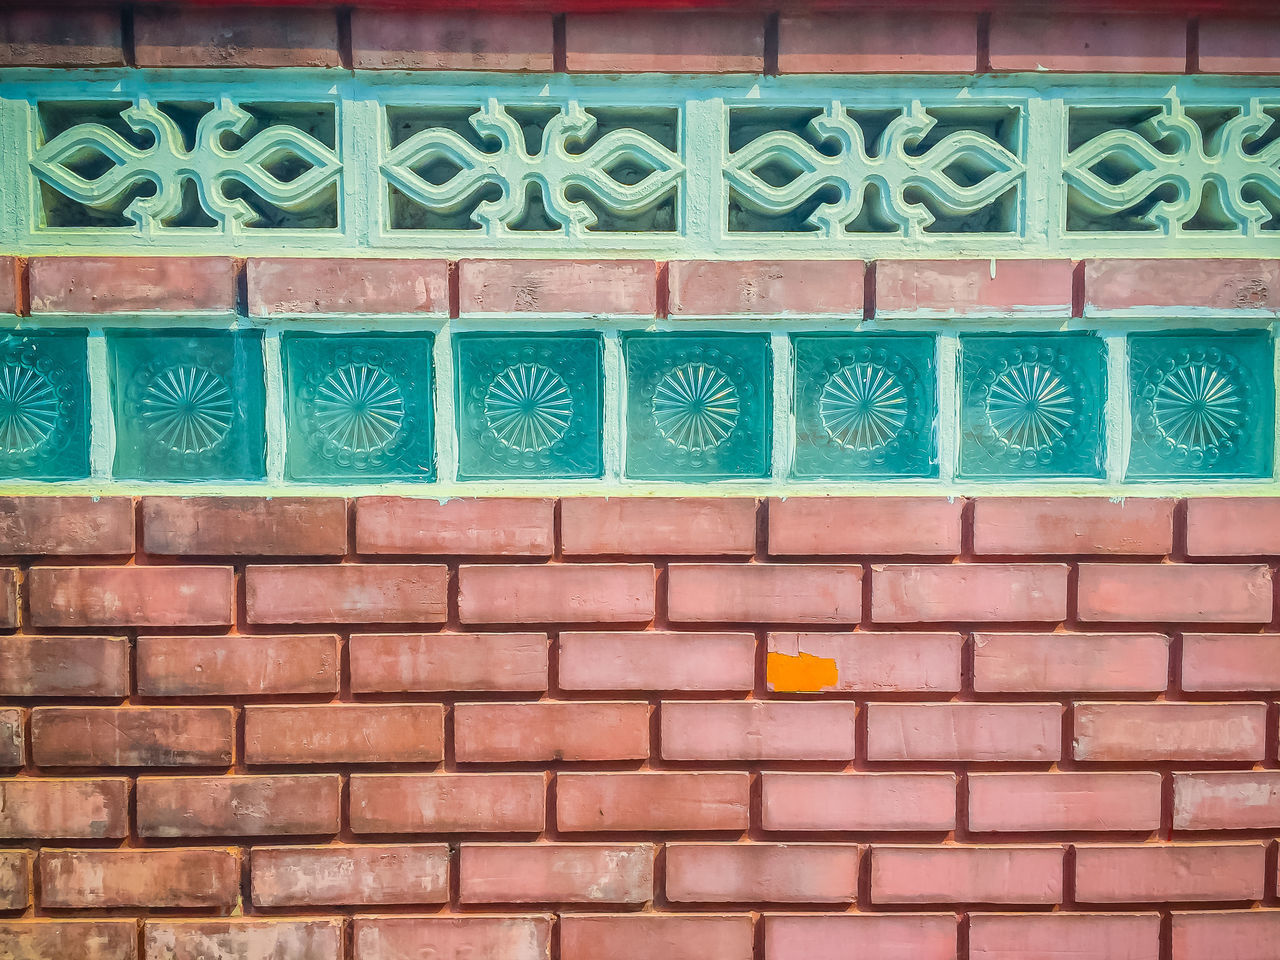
[(720, 729)]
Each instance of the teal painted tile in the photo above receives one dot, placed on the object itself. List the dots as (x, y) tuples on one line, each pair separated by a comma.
[(529, 406), (44, 405), (698, 407), (865, 406), (1032, 406), (188, 405), (1203, 405), (359, 407)]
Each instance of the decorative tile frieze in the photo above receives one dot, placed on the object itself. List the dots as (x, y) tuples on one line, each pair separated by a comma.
[(44, 405)]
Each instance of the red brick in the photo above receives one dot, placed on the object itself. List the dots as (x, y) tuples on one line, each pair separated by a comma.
[(15, 879), (1239, 45), (447, 662), (567, 287), (1081, 936), (236, 37), (236, 526), (46, 939), (957, 288), (1139, 285), (61, 37), (347, 593), (879, 42), (130, 596), (864, 526), (652, 801), (350, 875), (1027, 875), (873, 662), (974, 732), (1176, 871), (132, 736), (762, 872), (1076, 662), (1033, 526), (13, 736), (66, 526), (643, 526), (656, 660), (764, 592), (318, 938), (664, 42), (64, 667), (1235, 800), (1226, 935), (876, 802), (9, 269), (1061, 801), (757, 730), (1230, 662), (1233, 526), (133, 284), (238, 666), (207, 877), (238, 806), (886, 936), (556, 593), (448, 803), (656, 937), (526, 937), (1175, 592), (309, 286), (9, 605), (557, 873), (527, 732), (451, 40), (1088, 43), (485, 527), (43, 808), (772, 288), (1170, 731), (990, 592), (344, 733)]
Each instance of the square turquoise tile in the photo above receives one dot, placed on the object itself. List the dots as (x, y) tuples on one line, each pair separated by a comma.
[(188, 405), (1203, 405), (44, 405), (529, 407), (1032, 406), (359, 407), (865, 406), (698, 407)]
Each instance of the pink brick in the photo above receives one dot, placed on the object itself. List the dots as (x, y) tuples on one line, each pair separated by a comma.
[(1139, 285), (488, 527), (879, 42), (1170, 731), (863, 661), (10, 281), (258, 526), (13, 736), (757, 730), (453, 662), (312, 939), (556, 593), (46, 939), (772, 288), (664, 42), (527, 732), (46, 807), (1234, 800), (64, 667), (236, 37), (244, 666), (1081, 936), (132, 736), (566, 287), (1239, 45), (1085, 43), (956, 288), (557, 873), (762, 872), (1233, 526), (130, 596), (525, 937), (764, 592), (1230, 662), (238, 806), (657, 660), (652, 801), (66, 526), (876, 802), (357, 875), (344, 733), (9, 605), (1176, 871), (1061, 801), (982, 732), (448, 803), (645, 526), (60, 37), (347, 593), (15, 879), (1175, 592), (656, 937), (1033, 526), (885, 936), (206, 877), (1070, 662), (306, 286), (132, 284), (910, 593), (1029, 875), (864, 526), (1226, 935), (450, 40)]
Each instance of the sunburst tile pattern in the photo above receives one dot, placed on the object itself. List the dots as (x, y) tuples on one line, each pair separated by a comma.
[(44, 419)]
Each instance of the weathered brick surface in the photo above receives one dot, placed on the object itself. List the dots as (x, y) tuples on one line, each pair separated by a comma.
[(924, 802), (661, 527), (238, 37), (66, 526), (652, 801), (620, 873), (207, 877), (967, 287), (168, 596), (340, 875), (762, 872), (344, 733), (450, 40), (238, 806), (656, 937), (822, 526), (302, 287), (309, 939), (448, 662), (347, 593), (47, 37), (879, 42), (655, 42), (1132, 873), (448, 803), (1023, 874), (132, 736), (215, 526), (1079, 42), (502, 528), (1132, 286), (1171, 592), (1104, 936), (618, 287), (64, 809), (244, 666), (770, 288), (523, 937), (1061, 525), (64, 667), (132, 285)]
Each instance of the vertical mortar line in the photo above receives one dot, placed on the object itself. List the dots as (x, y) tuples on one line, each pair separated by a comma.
[(613, 406), (772, 43), (948, 407), (1115, 412), (128, 44), (446, 439), (783, 388), (274, 372), (102, 426)]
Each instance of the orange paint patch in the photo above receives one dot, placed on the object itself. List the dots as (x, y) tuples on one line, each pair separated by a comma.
[(803, 673)]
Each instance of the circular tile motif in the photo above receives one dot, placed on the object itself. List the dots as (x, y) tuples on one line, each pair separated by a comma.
[(528, 407), (863, 407), (187, 408), (1030, 406), (1193, 406), (359, 408), (696, 406), (29, 408)]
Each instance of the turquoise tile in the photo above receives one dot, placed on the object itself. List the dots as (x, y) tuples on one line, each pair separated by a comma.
[(1032, 406), (359, 407), (1203, 405), (529, 406), (698, 407), (44, 405), (188, 404), (865, 406)]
